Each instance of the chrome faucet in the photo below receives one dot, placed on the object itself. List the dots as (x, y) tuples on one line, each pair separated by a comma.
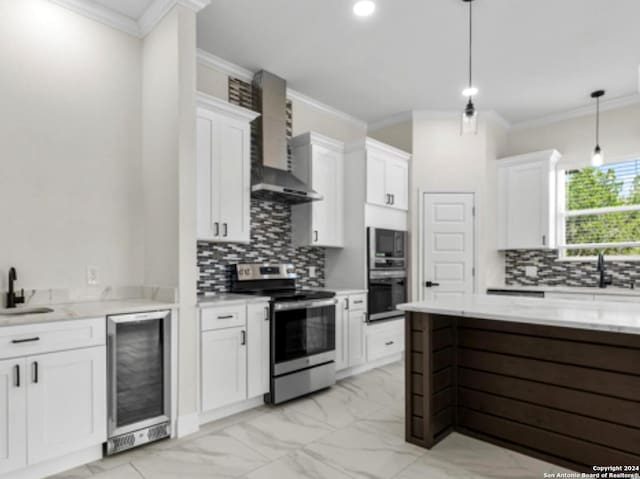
[(12, 298), (602, 269)]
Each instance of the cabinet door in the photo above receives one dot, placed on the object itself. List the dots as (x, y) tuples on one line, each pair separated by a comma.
[(357, 323), (224, 367), (377, 193), (13, 434), (342, 334), (208, 214), (327, 180), (397, 177), (257, 349), (66, 402), (527, 200), (232, 160)]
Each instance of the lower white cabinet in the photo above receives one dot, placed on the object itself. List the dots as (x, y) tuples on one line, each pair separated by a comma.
[(66, 402), (224, 367), (385, 339), (258, 349), (342, 333), (234, 360), (357, 331), (51, 403), (13, 410)]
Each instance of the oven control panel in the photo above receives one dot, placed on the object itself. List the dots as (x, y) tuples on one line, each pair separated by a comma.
[(252, 272)]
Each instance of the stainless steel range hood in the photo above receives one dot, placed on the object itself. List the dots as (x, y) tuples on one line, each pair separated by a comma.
[(271, 179)]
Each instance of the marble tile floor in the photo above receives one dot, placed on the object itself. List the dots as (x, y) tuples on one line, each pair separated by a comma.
[(353, 430)]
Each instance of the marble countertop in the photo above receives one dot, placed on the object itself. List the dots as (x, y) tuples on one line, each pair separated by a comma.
[(213, 300), (83, 310), (609, 291), (593, 315)]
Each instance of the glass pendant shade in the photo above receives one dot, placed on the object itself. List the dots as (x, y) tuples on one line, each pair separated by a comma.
[(598, 158), (469, 124)]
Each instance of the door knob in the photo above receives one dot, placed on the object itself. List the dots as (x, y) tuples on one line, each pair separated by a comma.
[(431, 284)]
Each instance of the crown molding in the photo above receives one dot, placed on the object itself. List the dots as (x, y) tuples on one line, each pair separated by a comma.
[(230, 110), (231, 69), (139, 27), (608, 105), (101, 14), (391, 121)]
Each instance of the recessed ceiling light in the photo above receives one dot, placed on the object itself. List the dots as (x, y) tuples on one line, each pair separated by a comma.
[(470, 91), (364, 8)]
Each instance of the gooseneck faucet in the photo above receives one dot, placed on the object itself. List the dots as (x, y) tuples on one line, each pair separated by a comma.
[(602, 269), (12, 299)]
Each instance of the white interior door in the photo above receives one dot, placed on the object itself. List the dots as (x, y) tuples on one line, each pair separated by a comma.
[(448, 245)]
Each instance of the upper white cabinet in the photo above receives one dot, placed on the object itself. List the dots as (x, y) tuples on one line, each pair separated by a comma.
[(319, 162), (527, 201), (387, 175), (223, 152)]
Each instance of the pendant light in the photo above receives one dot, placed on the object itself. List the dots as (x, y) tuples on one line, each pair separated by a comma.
[(597, 159), (469, 124)]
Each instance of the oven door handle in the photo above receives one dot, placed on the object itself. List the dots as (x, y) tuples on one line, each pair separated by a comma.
[(293, 305)]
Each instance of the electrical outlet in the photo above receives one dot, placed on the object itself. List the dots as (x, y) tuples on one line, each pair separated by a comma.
[(92, 276), (312, 271), (531, 271)]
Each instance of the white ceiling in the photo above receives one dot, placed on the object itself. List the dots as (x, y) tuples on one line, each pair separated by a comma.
[(533, 57), (130, 8)]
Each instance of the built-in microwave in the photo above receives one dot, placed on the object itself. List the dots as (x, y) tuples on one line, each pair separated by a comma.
[(387, 249)]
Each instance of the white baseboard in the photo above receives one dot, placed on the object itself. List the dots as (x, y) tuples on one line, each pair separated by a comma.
[(363, 368), (187, 424), (58, 465), (215, 414)]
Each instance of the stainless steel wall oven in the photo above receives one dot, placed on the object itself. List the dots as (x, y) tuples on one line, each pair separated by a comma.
[(387, 272)]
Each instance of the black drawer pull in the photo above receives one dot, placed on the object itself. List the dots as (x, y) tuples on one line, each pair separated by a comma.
[(358, 302), (17, 367), (28, 340), (230, 316), (35, 372), (388, 343)]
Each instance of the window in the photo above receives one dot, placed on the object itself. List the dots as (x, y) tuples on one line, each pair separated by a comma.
[(600, 211)]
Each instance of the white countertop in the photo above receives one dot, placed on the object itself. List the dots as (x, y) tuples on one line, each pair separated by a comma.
[(228, 299), (609, 291), (92, 309), (593, 315)]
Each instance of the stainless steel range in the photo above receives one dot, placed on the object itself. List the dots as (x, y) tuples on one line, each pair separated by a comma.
[(303, 329)]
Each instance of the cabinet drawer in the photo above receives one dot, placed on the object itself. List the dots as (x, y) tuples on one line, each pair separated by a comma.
[(385, 339), (358, 302), (224, 317), (42, 338)]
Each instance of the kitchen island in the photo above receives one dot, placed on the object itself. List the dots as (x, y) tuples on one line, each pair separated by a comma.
[(554, 379)]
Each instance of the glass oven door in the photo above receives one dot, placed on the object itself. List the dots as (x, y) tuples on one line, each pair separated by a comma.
[(386, 291), (303, 335)]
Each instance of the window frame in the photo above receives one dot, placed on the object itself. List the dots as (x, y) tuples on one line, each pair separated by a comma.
[(562, 214)]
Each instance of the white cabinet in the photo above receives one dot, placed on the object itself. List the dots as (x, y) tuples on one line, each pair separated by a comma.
[(224, 367), (223, 151), (357, 326), (385, 339), (66, 402), (342, 333), (51, 403), (387, 175), (319, 162), (234, 353), (617, 298), (13, 425), (257, 349), (527, 201)]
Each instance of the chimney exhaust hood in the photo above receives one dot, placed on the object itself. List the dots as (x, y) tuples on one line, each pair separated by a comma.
[(271, 179)]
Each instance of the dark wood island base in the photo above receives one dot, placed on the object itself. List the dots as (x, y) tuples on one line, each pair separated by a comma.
[(568, 396)]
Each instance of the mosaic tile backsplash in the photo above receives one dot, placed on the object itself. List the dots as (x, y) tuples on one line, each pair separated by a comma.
[(270, 243), (552, 272), (270, 227)]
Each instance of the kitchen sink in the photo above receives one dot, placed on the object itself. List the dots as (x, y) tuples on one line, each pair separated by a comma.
[(24, 311)]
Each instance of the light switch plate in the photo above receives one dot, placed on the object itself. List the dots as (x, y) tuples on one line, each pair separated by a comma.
[(531, 271), (312, 272), (92, 276)]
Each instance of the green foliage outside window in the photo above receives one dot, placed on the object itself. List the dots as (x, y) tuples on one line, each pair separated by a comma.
[(602, 187)]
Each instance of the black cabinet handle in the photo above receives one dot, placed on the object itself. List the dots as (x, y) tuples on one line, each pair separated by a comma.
[(17, 369), (226, 230), (388, 343), (217, 229), (431, 284), (28, 340), (358, 302), (315, 236), (229, 316), (244, 338), (346, 303), (35, 372), (266, 313), (393, 199)]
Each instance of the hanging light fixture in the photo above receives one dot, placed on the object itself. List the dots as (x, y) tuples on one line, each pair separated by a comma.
[(597, 159), (469, 123)]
